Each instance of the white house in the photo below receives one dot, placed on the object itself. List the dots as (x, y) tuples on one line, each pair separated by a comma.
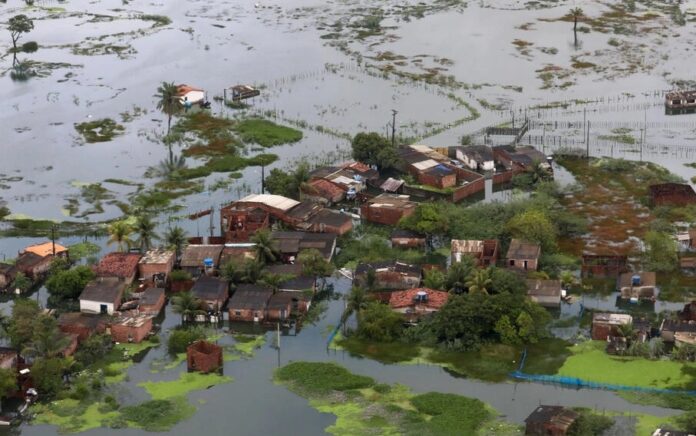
[(476, 157), (102, 295), (190, 94)]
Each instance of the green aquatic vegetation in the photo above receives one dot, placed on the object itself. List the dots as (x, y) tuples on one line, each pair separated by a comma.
[(670, 401), (158, 415), (72, 416), (102, 130), (266, 133), (248, 344), (316, 378), (622, 135), (187, 382), (159, 20)]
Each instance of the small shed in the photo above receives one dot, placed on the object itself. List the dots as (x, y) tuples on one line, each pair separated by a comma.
[(603, 265), (389, 274), (32, 265), (156, 263), (280, 306), (82, 324), (203, 356), (476, 157), (131, 328), (546, 293), (550, 421), (249, 302), (102, 295), (605, 325), (7, 275), (672, 194), (290, 244), (407, 239), (484, 252), (152, 301), (213, 291), (523, 255), (387, 209)]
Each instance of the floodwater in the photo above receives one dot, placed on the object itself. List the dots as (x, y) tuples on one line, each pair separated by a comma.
[(332, 87)]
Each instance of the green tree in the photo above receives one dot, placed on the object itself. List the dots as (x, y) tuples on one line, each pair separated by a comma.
[(93, 349), (274, 281), (660, 252), (168, 102), (374, 149), (181, 338), (567, 278), (17, 25), (459, 273), (428, 219), (576, 14), (507, 332), (69, 284), (356, 301), (479, 282), (47, 340), (377, 322), (280, 182), (21, 325), (47, 375), (314, 264), (21, 282), (145, 229), (435, 279), (503, 280), (187, 305), (534, 226), (176, 240), (120, 234), (249, 271), (8, 382), (266, 251), (525, 327)]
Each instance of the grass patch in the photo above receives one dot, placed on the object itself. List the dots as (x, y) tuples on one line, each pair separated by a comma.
[(72, 416), (159, 20), (102, 130), (622, 135), (392, 352), (321, 378), (158, 415), (248, 344), (266, 133), (186, 383)]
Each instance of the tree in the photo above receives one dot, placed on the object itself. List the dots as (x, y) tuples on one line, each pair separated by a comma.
[(567, 278), (8, 382), (120, 234), (47, 375), (525, 327), (507, 332), (435, 279), (21, 328), (176, 240), (427, 219), (356, 301), (279, 182), (458, 274), (93, 349), (187, 305), (314, 264), (145, 228), (17, 25), (69, 284), (249, 271), (503, 280), (374, 149), (266, 251), (534, 226), (660, 252), (168, 102), (576, 14), (274, 281), (47, 340), (21, 282), (377, 322), (479, 282)]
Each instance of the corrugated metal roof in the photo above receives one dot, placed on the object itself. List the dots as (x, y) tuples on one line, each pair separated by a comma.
[(425, 164), (275, 201)]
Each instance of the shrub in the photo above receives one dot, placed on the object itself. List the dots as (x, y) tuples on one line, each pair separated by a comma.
[(30, 47), (179, 276), (179, 339), (452, 414)]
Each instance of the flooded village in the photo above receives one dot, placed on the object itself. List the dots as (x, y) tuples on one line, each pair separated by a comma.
[(348, 217)]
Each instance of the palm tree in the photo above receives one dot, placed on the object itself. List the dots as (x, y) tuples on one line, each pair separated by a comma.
[(567, 278), (187, 306), (176, 239), (576, 14), (168, 102), (458, 274), (356, 301), (168, 168), (119, 234), (266, 251), (479, 282), (274, 281), (145, 228)]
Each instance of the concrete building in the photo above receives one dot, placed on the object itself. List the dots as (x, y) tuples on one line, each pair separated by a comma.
[(102, 295)]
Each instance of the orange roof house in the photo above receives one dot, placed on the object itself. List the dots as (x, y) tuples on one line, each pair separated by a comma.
[(417, 302), (45, 249)]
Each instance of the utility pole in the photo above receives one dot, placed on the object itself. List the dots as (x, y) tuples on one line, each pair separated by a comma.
[(588, 140), (394, 112), (584, 120), (263, 179), (212, 216), (53, 239)]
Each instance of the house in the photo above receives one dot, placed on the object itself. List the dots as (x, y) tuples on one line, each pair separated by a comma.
[(672, 194), (388, 274), (406, 239), (248, 303), (298, 282), (123, 266), (603, 265), (546, 293), (152, 301), (7, 275), (156, 264), (131, 328), (667, 432), (241, 221), (637, 286), (520, 158), (243, 92), (681, 99), (523, 255), (47, 249), (391, 185), (330, 221), (82, 324), (190, 95), (237, 253), (290, 244), (387, 209), (213, 291), (102, 295), (417, 302), (203, 356), (322, 191), (476, 157), (350, 178), (484, 252), (201, 259), (427, 166), (280, 305), (678, 332), (35, 260), (605, 325), (550, 421)]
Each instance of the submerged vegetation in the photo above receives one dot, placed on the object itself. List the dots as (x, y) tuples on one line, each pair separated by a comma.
[(102, 130)]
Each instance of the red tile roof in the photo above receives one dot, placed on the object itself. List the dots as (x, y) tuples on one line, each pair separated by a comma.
[(436, 299), (122, 265), (325, 188)]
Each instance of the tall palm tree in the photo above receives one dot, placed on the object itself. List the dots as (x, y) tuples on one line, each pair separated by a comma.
[(119, 234), (356, 301), (176, 240), (458, 275), (479, 282), (576, 14), (266, 251), (145, 228), (168, 102), (187, 306)]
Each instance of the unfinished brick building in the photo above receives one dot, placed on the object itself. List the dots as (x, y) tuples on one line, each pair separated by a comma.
[(203, 356)]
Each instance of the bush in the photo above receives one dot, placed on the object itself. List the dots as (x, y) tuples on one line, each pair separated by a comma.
[(377, 322), (452, 414), (179, 339), (158, 415), (590, 424), (48, 375), (30, 47), (179, 276)]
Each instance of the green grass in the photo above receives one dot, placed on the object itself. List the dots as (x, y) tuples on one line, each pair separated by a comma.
[(266, 133), (590, 362), (670, 401), (72, 416), (102, 130), (158, 415), (186, 383), (248, 344)]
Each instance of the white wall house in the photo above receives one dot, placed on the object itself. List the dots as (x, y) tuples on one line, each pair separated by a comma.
[(102, 295)]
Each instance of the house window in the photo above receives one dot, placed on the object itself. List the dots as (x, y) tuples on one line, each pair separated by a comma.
[(512, 262), (103, 308), (238, 312)]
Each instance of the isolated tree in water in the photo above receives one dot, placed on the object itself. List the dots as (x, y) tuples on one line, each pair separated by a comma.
[(576, 14), (168, 102), (17, 25)]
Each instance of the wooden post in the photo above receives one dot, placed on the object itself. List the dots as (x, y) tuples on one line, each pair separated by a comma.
[(278, 332)]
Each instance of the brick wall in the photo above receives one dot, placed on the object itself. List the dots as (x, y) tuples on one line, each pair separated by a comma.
[(125, 333), (203, 357)]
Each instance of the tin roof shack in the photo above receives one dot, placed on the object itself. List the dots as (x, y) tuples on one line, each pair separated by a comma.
[(406, 239), (102, 295), (322, 191), (522, 158), (243, 92), (290, 244), (607, 265), (203, 356), (214, 292), (523, 255), (485, 252), (678, 332), (389, 274), (152, 301), (156, 263), (239, 222), (417, 303), (131, 328), (7, 275), (475, 157), (331, 221), (248, 303), (280, 305), (546, 293), (82, 324), (298, 282), (605, 325), (201, 259), (124, 266), (672, 194), (391, 185), (550, 421), (637, 286), (387, 209)]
